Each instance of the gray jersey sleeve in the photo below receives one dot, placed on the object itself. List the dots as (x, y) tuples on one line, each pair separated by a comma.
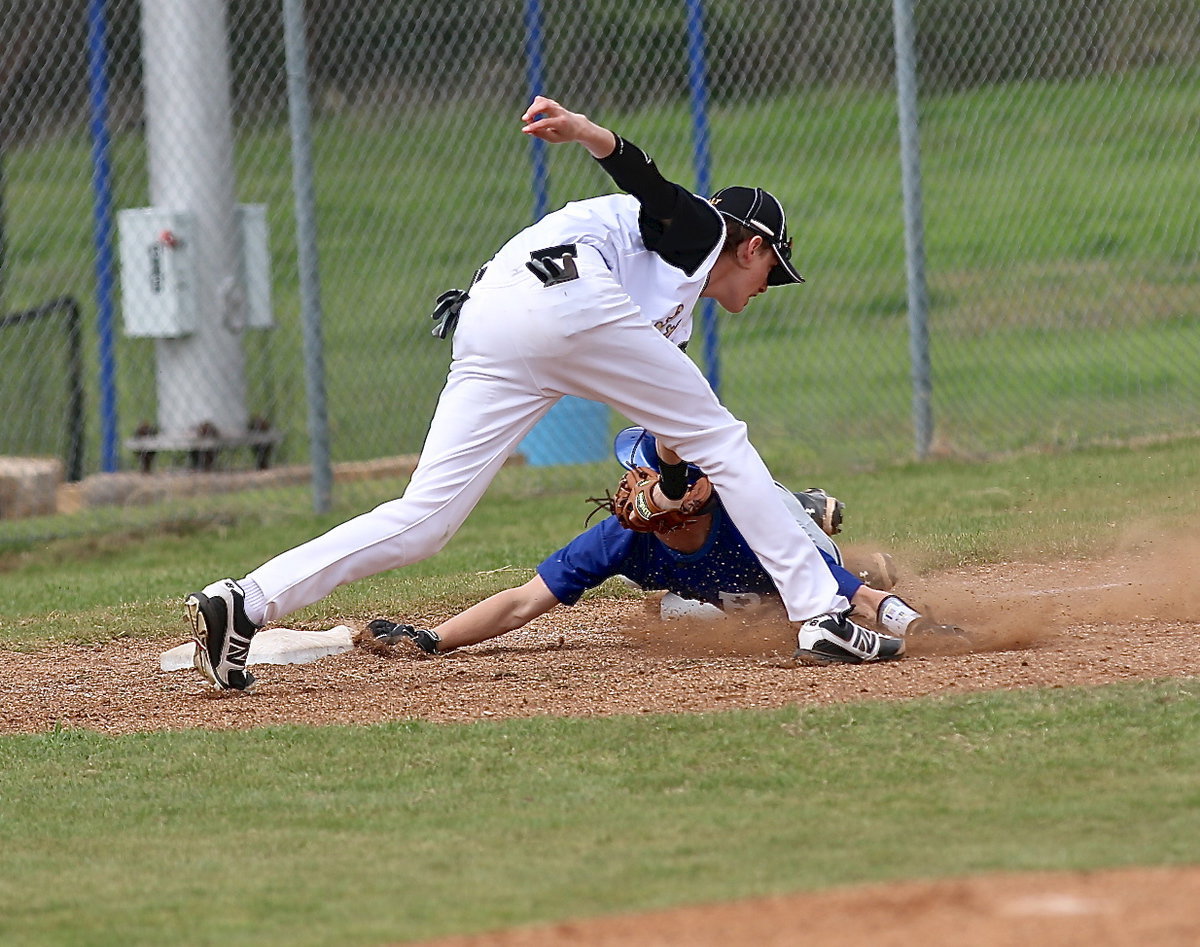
[(823, 541)]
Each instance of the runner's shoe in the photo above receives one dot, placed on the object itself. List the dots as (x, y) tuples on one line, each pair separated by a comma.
[(877, 570), (835, 639), (825, 510), (222, 634)]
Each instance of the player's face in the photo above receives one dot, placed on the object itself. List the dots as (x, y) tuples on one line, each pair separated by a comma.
[(739, 277)]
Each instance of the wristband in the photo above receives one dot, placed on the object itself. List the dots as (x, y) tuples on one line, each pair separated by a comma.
[(674, 479)]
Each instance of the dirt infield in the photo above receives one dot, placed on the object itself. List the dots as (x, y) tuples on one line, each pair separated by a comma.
[(1075, 623), (1093, 909), (1133, 616)]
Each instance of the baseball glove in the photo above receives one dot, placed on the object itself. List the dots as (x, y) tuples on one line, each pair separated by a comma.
[(634, 503)]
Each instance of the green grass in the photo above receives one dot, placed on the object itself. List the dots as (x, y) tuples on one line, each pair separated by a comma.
[(377, 834), (1061, 228), (396, 832)]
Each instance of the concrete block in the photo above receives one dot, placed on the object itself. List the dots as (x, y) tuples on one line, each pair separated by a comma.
[(29, 486)]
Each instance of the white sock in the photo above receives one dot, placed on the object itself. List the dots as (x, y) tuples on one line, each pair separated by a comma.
[(255, 603), (895, 615)]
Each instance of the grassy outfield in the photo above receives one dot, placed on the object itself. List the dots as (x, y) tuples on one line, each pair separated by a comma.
[(369, 834), (387, 833)]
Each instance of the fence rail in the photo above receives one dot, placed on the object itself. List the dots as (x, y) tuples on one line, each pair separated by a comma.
[(73, 382)]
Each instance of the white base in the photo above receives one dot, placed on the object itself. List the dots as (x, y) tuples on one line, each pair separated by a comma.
[(275, 646), (675, 606)]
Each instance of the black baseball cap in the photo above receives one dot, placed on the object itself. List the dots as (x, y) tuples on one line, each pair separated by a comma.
[(761, 212)]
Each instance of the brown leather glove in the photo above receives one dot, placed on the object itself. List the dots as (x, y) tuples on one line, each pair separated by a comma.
[(636, 509)]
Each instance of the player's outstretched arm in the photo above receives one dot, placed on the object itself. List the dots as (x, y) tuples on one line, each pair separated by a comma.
[(549, 121), (503, 612), (694, 225)]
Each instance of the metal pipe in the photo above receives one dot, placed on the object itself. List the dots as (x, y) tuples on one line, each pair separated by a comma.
[(914, 228), (304, 191), (189, 141)]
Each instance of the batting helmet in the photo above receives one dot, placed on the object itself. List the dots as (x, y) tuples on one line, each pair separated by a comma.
[(636, 447)]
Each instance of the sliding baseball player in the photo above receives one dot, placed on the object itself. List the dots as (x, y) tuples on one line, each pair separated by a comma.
[(696, 555)]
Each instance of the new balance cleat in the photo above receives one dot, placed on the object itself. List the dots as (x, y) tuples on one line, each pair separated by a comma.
[(395, 633), (222, 634), (834, 639)]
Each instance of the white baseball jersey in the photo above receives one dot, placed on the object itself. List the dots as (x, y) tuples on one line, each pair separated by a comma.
[(602, 333), (665, 292)]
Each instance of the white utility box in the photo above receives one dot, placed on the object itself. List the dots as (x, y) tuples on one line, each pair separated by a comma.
[(158, 291), (158, 260)]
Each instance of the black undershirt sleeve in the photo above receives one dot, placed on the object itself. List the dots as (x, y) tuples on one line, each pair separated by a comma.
[(676, 224), (674, 479)]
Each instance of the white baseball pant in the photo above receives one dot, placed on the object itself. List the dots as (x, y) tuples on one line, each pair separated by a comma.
[(520, 346)]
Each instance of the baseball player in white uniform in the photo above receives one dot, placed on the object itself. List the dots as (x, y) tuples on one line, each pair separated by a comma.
[(594, 300)]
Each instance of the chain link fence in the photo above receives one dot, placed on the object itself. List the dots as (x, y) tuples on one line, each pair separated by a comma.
[(1061, 221)]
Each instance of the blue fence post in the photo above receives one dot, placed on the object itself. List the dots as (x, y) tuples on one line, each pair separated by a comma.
[(537, 85), (102, 231), (698, 88)]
